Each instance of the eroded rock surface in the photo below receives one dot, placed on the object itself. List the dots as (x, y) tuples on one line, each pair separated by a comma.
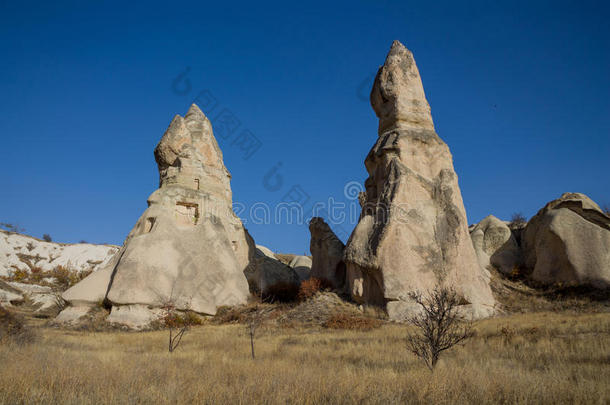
[(268, 273), (568, 241), (495, 245), (327, 254), (412, 233), (188, 247)]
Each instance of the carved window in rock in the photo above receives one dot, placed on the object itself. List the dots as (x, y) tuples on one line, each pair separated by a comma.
[(148, 226), (187, 213), (196, 184)]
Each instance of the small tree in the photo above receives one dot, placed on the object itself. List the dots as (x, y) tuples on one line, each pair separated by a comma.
[(47, 238), (438, 325), (254, 321), (177, 324)]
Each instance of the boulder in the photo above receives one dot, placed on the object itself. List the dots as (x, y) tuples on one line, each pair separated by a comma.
[(135, 316), (302, 266), (188, 247), (568, 242), (268, 273), (327, 254), (495, 245), (412, 233), (10, 295)]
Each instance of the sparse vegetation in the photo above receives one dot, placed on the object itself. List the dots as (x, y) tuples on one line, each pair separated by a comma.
[(517, 221), (13, 329), (438, 325), (254, 321), (47, 238), (11, 227), (281, 292), (311, 286), (606, 209), (564, 361), (345, 321), (60, 278), (177, 323)]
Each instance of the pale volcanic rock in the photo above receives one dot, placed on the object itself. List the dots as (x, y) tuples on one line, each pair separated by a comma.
[(495, 245), (302, 266), (568, 241), (188, 247), (21, 252), (412, 233)]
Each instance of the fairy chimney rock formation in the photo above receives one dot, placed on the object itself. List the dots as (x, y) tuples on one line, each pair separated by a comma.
[(412, 233), (327, 252), (188, 247)]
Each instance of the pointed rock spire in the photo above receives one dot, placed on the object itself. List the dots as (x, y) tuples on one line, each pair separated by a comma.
[(398, 94)]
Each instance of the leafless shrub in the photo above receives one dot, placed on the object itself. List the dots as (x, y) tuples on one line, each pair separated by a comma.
[(177, 323), (311, 286), (254, 321), (13, 329), (508, 334), (438, 325), (47, 238), (58, 300), (517, 221), (11, 227), (281, 292)]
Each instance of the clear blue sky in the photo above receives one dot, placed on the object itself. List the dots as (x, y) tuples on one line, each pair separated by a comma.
[(519, 91)]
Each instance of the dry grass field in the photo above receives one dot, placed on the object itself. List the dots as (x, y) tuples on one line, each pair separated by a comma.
[(533, 358)]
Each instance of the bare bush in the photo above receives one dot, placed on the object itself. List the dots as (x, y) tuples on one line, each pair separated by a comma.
[(254, 321), (177, 323), (13, 329), (281, 292), (47, 238), (311, 286), (517, 221), (439, 326), (11, 227)]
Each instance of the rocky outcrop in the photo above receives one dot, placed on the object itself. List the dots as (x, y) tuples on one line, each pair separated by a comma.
[(302, 266), (495, 245), (268, 273), (24, 253), (10, 295), (412, 233), (568, 242), (327, 254), (188, 247)]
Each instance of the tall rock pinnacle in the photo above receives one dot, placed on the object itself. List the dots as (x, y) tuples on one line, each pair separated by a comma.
[(412, 234), (188, 247), (398, 94)]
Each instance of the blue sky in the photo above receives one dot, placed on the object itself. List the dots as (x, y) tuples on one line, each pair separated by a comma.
[(518, 90)]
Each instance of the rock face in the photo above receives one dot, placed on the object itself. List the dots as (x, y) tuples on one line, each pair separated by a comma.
[(495, 245), (188, 247), (568, 241), (268, 273), (327, 252), (10, 295), (302, 266), (412, 233), (24, 252)]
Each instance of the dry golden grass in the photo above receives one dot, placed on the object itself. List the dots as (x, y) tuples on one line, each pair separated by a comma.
[(527, 358)]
